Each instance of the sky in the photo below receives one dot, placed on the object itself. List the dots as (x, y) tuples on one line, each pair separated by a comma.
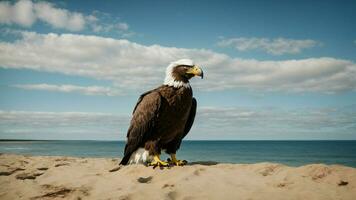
[(273, 70)]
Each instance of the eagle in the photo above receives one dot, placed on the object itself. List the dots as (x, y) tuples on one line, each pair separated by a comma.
[(162, 117)]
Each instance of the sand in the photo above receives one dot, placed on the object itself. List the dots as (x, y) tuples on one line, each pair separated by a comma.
[(52, 177)]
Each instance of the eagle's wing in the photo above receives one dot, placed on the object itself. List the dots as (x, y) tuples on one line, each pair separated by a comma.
[(188, 125), (191, 117), (142, 122)]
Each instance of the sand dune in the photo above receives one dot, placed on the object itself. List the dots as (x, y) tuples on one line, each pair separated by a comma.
[(44, 177)]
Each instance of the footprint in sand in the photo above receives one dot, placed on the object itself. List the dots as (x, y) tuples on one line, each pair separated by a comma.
[(172, 195), (61, 192), (284, 184), (9, 171), (269, 170), (125, 197), (168, 186), (61, 164), (145, 180), (24, 176), (42, 168), (197, 172), (343, 183), (319, 173), (115, 169), (84, 161), (23, 162)]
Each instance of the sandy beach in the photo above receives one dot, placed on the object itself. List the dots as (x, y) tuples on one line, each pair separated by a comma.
[(54, 177)]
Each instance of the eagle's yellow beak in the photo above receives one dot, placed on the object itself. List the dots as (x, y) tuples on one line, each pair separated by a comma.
[(196, 71)]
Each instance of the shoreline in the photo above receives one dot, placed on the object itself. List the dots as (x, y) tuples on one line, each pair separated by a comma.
[(62, 177), (201, 162), (291, 153)]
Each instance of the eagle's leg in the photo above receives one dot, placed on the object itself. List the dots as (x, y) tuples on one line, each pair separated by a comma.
[(175, 161), (158, 162)]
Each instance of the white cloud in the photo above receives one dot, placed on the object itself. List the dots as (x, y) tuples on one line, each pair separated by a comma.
[(278, 46), (130, 65), (88, 90), (26, 13), (21, 13), (59, 18)]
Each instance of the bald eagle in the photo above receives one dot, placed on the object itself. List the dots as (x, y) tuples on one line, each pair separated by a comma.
[(162, 117)]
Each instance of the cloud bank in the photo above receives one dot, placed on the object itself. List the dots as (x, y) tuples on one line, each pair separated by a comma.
[(272, 123), (62, 125), (88, 90), (278, 46), (131, 65), (211, 122)]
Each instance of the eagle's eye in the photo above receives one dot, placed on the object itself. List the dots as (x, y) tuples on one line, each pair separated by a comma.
[(186, 67)]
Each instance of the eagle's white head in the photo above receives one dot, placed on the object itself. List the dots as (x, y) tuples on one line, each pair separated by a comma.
[(179, 72)]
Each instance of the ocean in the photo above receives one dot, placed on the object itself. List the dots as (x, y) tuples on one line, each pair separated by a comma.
[(292, 153)]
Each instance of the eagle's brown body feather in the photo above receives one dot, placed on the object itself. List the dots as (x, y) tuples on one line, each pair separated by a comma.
[(161, 119)]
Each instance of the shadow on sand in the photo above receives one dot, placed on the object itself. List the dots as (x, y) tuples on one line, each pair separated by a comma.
[(207, 163)]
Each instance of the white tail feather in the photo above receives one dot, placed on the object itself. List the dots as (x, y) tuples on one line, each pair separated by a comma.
[(140, 156)]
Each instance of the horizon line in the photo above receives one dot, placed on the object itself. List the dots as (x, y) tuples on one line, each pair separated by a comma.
[(192, 140)]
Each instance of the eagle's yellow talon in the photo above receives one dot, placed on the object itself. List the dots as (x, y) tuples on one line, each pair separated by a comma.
[(157, 162), (175, 161)]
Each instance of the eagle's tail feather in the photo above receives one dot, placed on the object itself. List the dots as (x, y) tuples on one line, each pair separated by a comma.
[(127, 155), (125, 159)]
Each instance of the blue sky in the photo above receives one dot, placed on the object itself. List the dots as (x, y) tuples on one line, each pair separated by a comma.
[(274, 70)]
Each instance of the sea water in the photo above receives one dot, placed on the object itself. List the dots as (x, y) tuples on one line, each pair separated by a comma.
[(293, 153)]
